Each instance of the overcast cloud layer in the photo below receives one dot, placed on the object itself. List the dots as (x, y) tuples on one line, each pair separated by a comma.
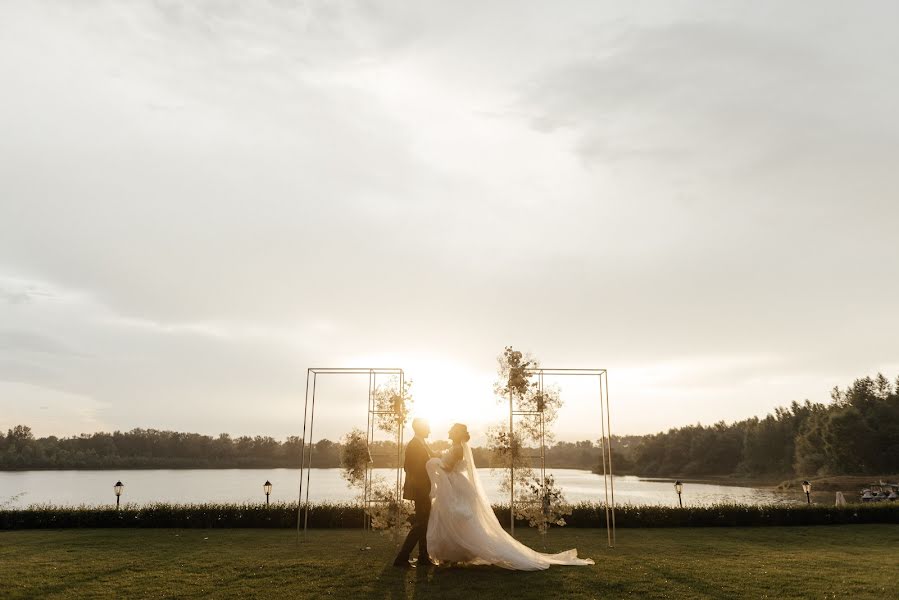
[(198, 201)]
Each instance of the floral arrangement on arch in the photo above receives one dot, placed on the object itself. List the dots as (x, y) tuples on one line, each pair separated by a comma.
[(386, 510), (383, 511), (390, 397), (540, 503)]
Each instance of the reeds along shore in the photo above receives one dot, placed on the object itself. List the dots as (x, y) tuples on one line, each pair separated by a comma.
[(333, 516)]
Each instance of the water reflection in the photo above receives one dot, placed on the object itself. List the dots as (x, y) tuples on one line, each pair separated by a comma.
[(245, 485)]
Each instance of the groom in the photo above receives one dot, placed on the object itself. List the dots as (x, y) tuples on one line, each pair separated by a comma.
[(417, 488)]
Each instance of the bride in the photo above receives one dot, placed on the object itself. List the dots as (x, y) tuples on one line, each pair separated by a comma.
[(463, 527)]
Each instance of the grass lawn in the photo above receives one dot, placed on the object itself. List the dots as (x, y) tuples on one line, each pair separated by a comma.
[(857, 561)]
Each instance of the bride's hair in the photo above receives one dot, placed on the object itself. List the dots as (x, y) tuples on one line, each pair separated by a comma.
[(459, 433)]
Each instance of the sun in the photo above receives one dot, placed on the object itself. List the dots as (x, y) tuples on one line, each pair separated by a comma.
[(446, 392)]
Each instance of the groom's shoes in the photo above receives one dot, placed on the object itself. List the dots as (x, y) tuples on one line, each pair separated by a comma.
[(403, 563), (427, 561)]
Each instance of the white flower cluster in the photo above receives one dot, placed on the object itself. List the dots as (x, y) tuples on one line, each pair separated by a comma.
[(542, 505), (383, 509)]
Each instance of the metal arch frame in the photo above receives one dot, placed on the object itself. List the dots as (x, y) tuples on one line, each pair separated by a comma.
[(309, 419), (605, 441)]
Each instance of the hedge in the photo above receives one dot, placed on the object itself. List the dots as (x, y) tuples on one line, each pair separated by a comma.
[(325, 516)]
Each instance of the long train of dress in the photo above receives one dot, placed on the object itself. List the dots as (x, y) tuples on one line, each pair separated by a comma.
[(463, 527)]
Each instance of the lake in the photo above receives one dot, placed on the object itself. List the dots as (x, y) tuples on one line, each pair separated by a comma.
[(245, 485)]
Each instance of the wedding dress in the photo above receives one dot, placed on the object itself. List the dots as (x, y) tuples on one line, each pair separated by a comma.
[(463, 527)]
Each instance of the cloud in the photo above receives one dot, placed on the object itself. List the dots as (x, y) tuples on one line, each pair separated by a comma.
[(131, 373), (199, 201)]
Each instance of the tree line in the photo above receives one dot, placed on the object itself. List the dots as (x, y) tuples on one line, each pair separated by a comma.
[(856, 433), (156, 449), (144, 448)]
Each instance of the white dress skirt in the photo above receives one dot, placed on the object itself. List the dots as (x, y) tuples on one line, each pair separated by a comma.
[(463, 527)]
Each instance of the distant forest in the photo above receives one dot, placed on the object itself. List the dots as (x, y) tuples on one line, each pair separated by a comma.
[(153, 449), (857, 433)]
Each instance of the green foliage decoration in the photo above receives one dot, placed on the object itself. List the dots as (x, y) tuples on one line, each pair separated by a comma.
[(354, 458)]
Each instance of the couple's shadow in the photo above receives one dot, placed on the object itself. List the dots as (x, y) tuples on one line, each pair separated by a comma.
[(394, 583)]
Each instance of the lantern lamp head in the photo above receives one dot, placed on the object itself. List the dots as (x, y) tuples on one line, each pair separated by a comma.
[(118, 487), (267, 487), (806, 487), (678, 487)]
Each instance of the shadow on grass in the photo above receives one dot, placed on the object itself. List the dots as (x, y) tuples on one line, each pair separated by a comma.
[(393, 583), (72, 582)]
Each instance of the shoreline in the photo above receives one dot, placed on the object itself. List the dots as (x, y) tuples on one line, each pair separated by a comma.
[(766, 483)]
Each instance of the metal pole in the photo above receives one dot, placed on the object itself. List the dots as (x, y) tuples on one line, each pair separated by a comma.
[(309, 470), (605, 375), (603, 445), (680, 500), (511, 463), (398, 497), (302, 455), (542, 439), (544, 502), (366, 479)]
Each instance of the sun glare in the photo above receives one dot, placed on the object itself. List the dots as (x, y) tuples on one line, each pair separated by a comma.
[(445, 392)]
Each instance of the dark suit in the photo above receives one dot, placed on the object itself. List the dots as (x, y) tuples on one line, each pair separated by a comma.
[(417, 487)]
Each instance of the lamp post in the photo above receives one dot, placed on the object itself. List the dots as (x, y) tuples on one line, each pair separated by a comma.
[(267, 488), (117, 488), (807, 488), (679, 487)]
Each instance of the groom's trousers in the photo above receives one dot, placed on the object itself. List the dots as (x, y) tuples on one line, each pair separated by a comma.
[(419, 532)]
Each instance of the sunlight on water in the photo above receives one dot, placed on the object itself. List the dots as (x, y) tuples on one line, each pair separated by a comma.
[(245, 485)]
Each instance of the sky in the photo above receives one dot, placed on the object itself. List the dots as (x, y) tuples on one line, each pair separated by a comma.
[(199, 201)]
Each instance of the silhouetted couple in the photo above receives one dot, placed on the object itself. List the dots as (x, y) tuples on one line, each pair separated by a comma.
[(454, 521)]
